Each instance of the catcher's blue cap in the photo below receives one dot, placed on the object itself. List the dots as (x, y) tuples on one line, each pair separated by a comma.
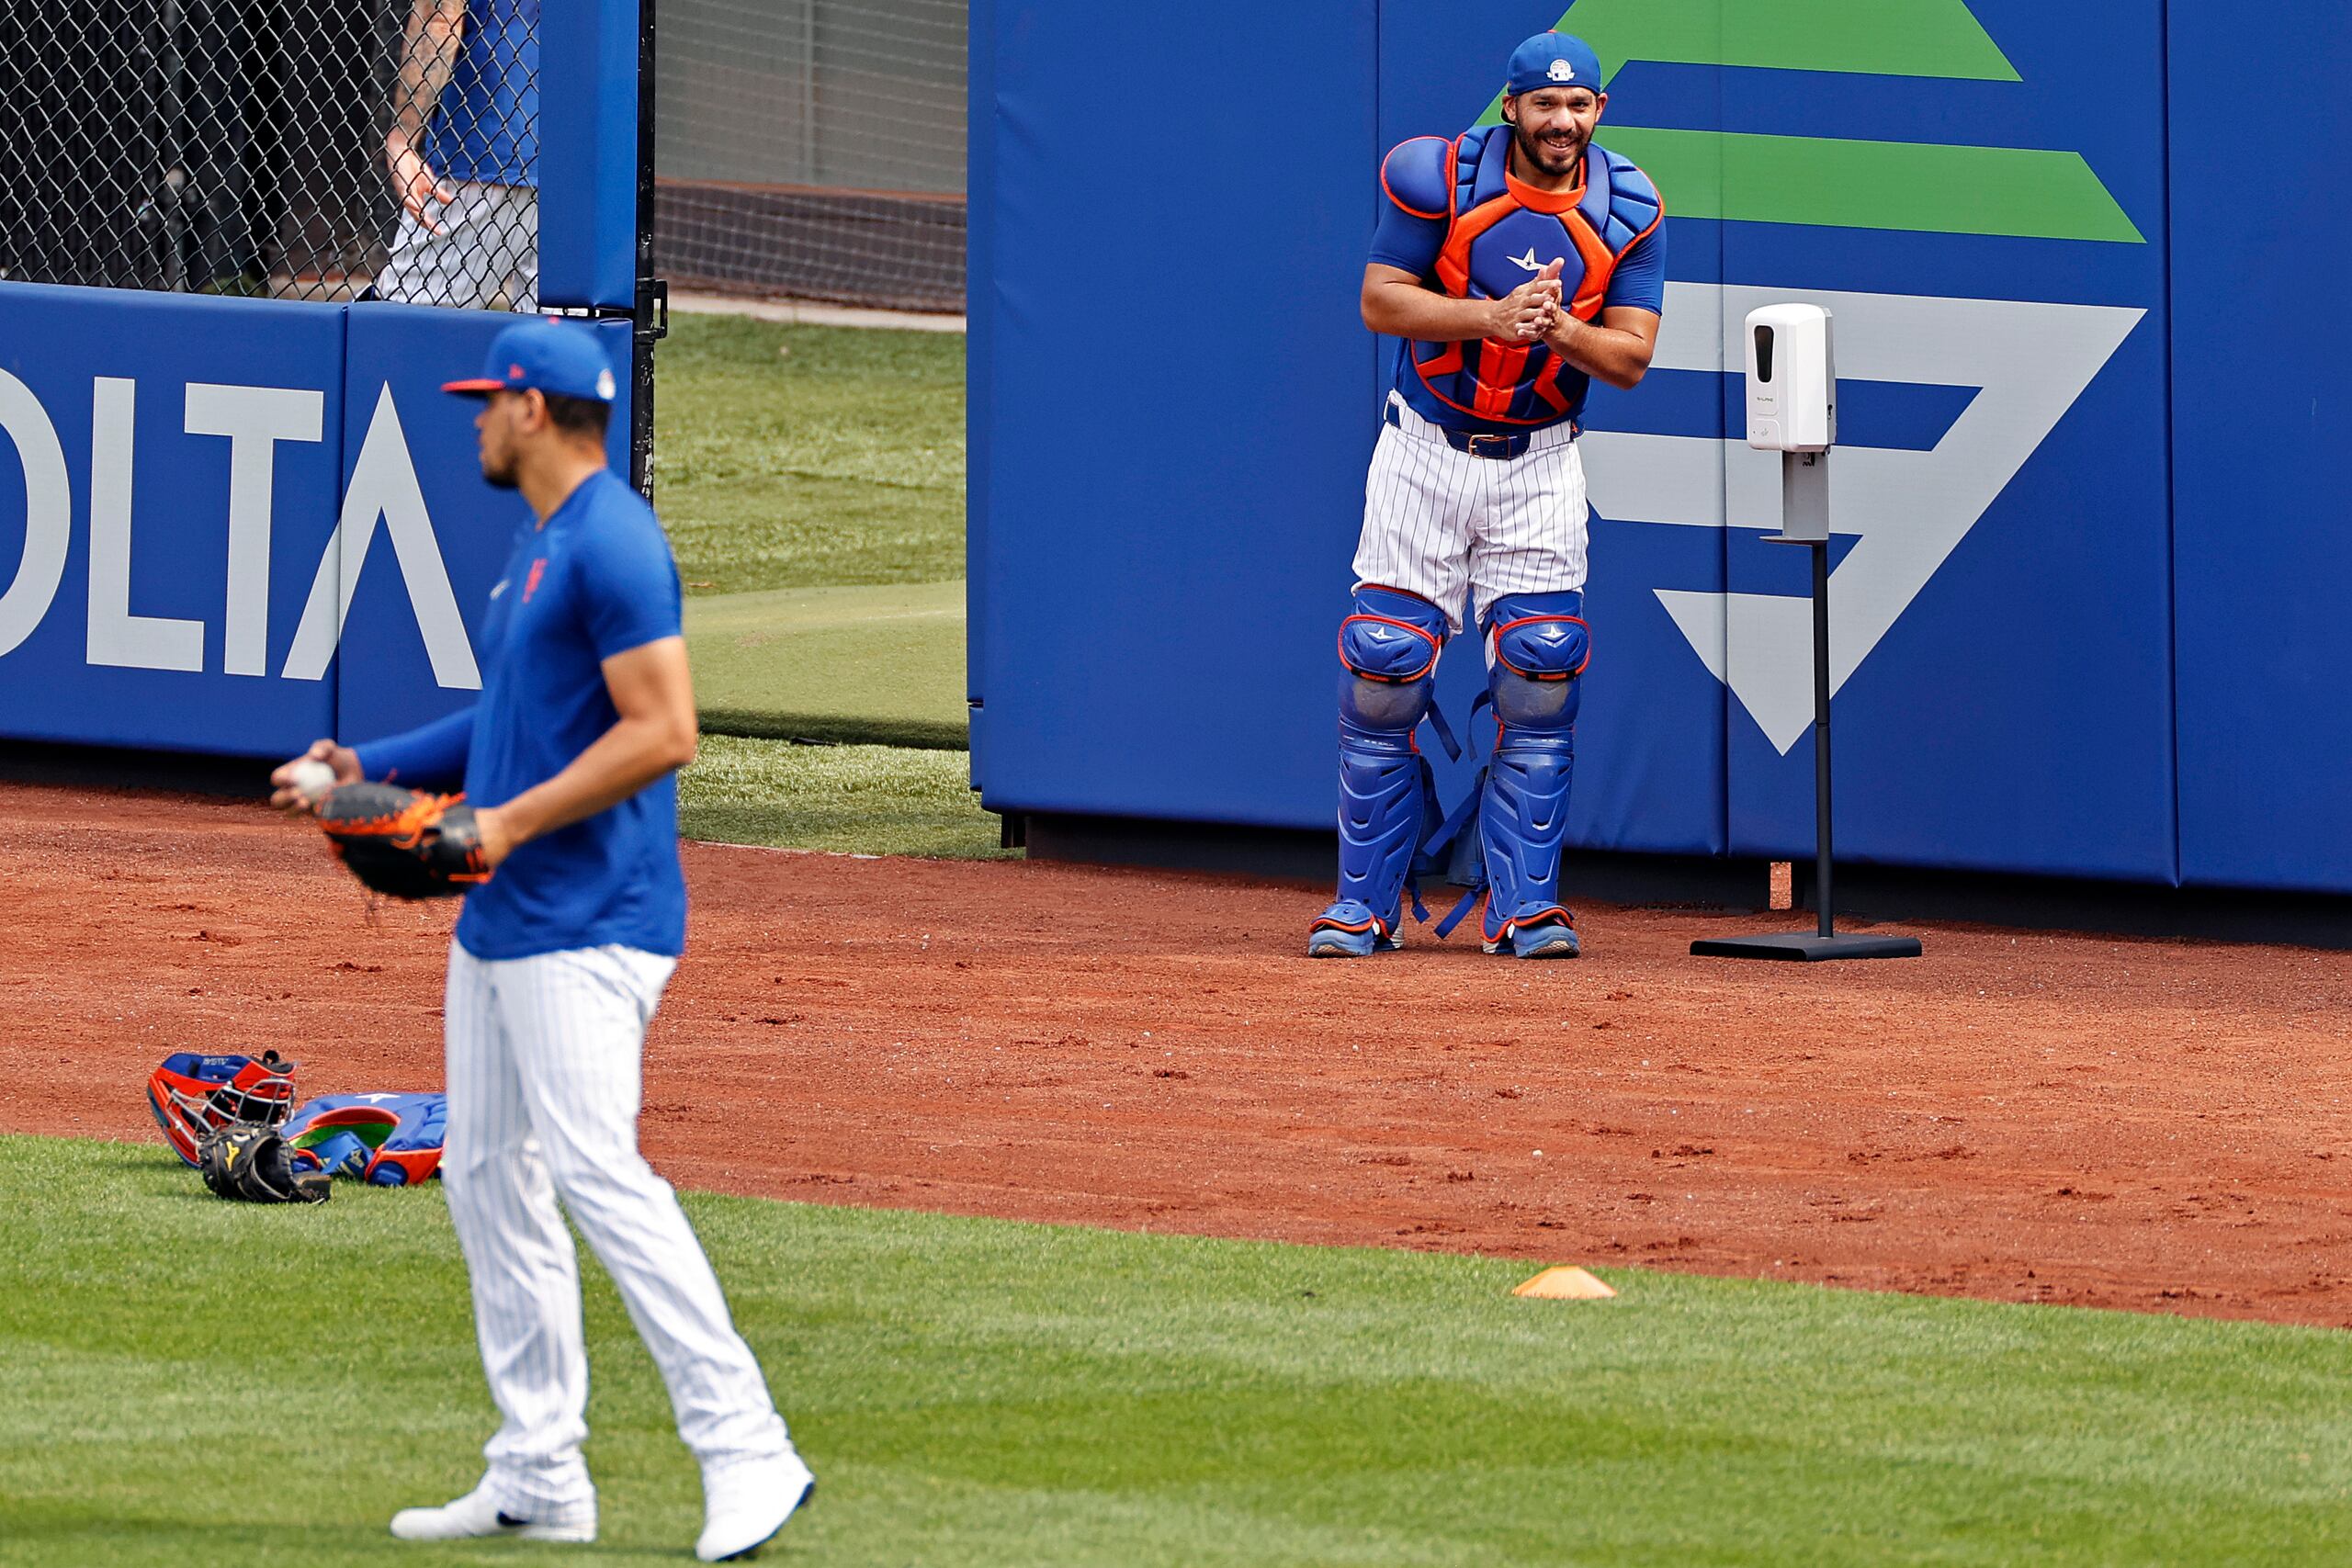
[(551, 355), (1553, 59)]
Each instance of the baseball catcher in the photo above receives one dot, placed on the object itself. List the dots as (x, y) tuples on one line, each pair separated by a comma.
[(402, 841), (1517, 264)]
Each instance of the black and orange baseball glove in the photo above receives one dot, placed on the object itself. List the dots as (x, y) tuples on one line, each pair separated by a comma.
[(403, 842)]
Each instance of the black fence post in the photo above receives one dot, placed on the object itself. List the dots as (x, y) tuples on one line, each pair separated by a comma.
[(653, 312)]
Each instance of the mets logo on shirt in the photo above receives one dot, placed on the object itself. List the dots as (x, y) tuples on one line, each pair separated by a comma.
[(531, 583)]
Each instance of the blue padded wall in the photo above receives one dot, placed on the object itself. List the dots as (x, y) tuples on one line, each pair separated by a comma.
[(1174, 409), (155, 669), (398, 356), (588, 144), (2261, 466), (2003, 401), (2084, 492), (249, 444)]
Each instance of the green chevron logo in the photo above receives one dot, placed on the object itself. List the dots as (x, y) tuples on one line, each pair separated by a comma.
[(1827, 182)]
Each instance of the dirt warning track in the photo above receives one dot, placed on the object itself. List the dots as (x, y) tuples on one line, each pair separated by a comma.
[(2025, 1117)]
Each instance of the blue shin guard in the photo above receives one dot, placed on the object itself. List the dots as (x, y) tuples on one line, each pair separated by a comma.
[(1388, 651), (1540, 647)]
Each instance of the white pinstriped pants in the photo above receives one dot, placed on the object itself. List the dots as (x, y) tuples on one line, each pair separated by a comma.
[(1437, 520), (489, 245), (545, 1082)]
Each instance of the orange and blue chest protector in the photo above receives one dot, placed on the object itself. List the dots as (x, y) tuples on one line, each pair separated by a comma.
[(1457, 218)]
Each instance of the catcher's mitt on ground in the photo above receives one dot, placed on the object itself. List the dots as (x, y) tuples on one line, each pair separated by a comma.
[(255, 1163), (403, 842)]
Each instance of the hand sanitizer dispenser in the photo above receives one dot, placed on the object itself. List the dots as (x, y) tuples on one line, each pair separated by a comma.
[(1791, 380), (1792, 410)]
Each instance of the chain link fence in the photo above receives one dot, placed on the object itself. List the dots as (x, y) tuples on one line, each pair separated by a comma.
[(305, 149), (813, 149)]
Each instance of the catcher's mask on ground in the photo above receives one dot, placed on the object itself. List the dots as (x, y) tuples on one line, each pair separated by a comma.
[(192, 1095)]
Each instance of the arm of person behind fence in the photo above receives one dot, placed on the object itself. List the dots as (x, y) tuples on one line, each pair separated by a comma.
[(428, 57)]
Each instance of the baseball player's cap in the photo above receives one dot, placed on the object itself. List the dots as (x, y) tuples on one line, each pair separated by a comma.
[(549, 355), (1553, 59)]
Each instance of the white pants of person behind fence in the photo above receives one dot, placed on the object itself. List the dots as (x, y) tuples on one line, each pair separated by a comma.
[(545, 1082), (487, 246)]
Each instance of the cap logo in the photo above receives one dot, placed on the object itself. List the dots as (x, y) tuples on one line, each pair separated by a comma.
[(514, 372), (605, 386), (1562, 71)]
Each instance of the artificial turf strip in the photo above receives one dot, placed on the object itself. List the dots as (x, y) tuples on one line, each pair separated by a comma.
[(881, 664), (185, 1380), (856, 799), (793, 457)]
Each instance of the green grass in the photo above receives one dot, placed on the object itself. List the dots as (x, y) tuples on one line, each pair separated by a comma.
[(881, 663), (812, 480), (795, 456), (184, 1381), (860, 800)]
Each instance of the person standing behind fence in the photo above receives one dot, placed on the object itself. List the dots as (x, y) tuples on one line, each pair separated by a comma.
[(463, 153)]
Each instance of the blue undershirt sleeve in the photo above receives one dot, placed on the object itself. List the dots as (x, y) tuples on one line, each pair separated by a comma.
[(1406, 241), (431, 756), (1639, 281)]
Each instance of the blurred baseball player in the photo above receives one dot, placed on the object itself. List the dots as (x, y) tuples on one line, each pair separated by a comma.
[(1516, 262), (560, 958), (463, 153)]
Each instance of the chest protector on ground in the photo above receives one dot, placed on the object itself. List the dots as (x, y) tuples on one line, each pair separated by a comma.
[(386, 1140), (1500, 233)]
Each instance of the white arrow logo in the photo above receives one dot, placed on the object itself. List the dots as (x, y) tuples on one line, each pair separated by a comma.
[(1908, 510)]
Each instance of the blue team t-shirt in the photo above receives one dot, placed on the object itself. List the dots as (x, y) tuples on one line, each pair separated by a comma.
[(486, 128), (1411, 244), (597, 580)]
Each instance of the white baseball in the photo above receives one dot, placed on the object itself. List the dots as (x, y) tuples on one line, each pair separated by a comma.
[(311, 778)]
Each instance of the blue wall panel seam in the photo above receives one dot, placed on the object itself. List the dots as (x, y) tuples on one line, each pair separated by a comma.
[(2172, 371)]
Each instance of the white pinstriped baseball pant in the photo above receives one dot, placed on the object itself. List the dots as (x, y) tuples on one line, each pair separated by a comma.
[(489, 245), (1437, 520), (545, 1082)]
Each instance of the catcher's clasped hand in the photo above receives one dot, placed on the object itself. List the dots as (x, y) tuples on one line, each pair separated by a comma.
[(1529, 312)]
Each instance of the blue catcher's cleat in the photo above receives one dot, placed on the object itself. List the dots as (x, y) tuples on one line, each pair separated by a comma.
[(1350, 930), (1544, 933)]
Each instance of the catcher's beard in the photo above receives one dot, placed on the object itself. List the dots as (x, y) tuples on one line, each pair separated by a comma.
[(1538, 155)]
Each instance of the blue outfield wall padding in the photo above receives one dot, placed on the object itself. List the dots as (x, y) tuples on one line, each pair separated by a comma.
[(423, 534), (1996, 254), (167, 476), (2008, 595), (234, 526), (1178, 414), (588, 93), (2261, 466), (979, 357)]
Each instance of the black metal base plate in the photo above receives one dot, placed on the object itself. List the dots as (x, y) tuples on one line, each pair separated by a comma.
[(1804, 947)]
